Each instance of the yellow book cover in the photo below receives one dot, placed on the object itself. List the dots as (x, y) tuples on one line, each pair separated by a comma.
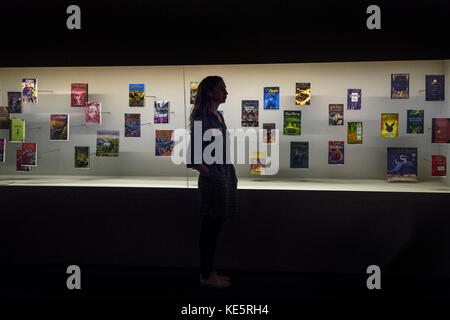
[(258, 163), (389, 125)]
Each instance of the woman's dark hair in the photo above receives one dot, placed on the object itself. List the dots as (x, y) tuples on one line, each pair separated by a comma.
[(202, 103)]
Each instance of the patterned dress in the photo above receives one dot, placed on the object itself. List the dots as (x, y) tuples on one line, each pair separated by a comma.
[(218, 190)]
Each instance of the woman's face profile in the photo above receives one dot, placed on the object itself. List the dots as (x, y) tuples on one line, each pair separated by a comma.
[(219, 93)]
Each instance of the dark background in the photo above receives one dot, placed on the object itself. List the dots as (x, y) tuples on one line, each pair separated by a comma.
[(164, 32)]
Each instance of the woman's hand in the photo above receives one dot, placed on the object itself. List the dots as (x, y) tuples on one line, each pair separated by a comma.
[(203, 170)]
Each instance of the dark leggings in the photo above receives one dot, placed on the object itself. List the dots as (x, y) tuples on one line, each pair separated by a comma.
[(210, 228)]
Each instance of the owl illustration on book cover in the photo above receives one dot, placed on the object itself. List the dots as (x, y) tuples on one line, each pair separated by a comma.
[(93, 113), (29, 90)]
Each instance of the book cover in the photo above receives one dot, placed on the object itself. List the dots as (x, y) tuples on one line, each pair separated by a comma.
[(272, 98), (438, 166), (14, 102), (400, 86), (79, 94), (440, 130), (132, 125), (354, 132), (19, 166), (30, 90), (353, 99), (221, 112), (435, 88), (389, 125), (336, 114), (268, 134), (161, 112), (4, 118), (82, 157), (415, 121), (249, 116), (17, 130), (302, 93), (59, 127), (194, 89), (299, 154), (2, 150), (335, 152), (258, 163), (136, 94), (292, 124), (107, 143), (402, 164), (29, 154), (93, 113), (164, 143)]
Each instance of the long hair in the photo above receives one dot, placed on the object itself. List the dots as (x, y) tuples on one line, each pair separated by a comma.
[(202, 103)]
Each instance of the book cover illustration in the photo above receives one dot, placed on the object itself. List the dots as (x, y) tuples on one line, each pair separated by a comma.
[(272, 98), (354, 132), (250, 115), (400, 86), (440, 130), (336, 114), (14, 102), (132, 125), (194, 89), (59, 127), (353, 99), (258, 163), (93, 112), (415, 121), (335, 152), (30, 90), (107, 143), (438, 166), (19, 166), (164, 143), (269, 133), (2, 150), (29, 154), (299, 154), (82, 157), (402, 164), (136, 94), (389, 125), (161, 112), (292, 124), (79, 94), (302, 93), (4, 118), (17, 130), (435, 88)]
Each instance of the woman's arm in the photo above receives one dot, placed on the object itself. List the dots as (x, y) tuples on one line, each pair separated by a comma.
[(203, 169)]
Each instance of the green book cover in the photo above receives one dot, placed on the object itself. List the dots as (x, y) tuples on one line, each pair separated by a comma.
[(17, 130), (292, 123), (355, 133)]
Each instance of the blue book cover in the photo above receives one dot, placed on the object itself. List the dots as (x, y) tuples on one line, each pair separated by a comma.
[(272, 98), (353, 99), (336, 152), (299, 154), (435, 88), (402, 164), (415, 121), (400, 86)]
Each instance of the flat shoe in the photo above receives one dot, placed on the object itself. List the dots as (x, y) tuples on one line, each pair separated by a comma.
[(221, 276), (214, 282)]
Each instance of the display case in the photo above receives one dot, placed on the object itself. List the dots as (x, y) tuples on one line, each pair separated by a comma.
[(360, 126)]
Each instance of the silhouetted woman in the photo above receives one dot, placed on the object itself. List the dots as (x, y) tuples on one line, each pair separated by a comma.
[(217, 182)]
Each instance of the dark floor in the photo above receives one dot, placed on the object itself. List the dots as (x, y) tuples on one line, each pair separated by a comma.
[(45, 282)]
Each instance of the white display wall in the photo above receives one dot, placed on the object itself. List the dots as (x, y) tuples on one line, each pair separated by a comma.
[(329, 84)]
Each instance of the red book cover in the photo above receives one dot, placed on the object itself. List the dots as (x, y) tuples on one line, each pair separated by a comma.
[(93, 113), (19, 166), (438, 166), (29, 154), (79, 95), (441, 130)]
